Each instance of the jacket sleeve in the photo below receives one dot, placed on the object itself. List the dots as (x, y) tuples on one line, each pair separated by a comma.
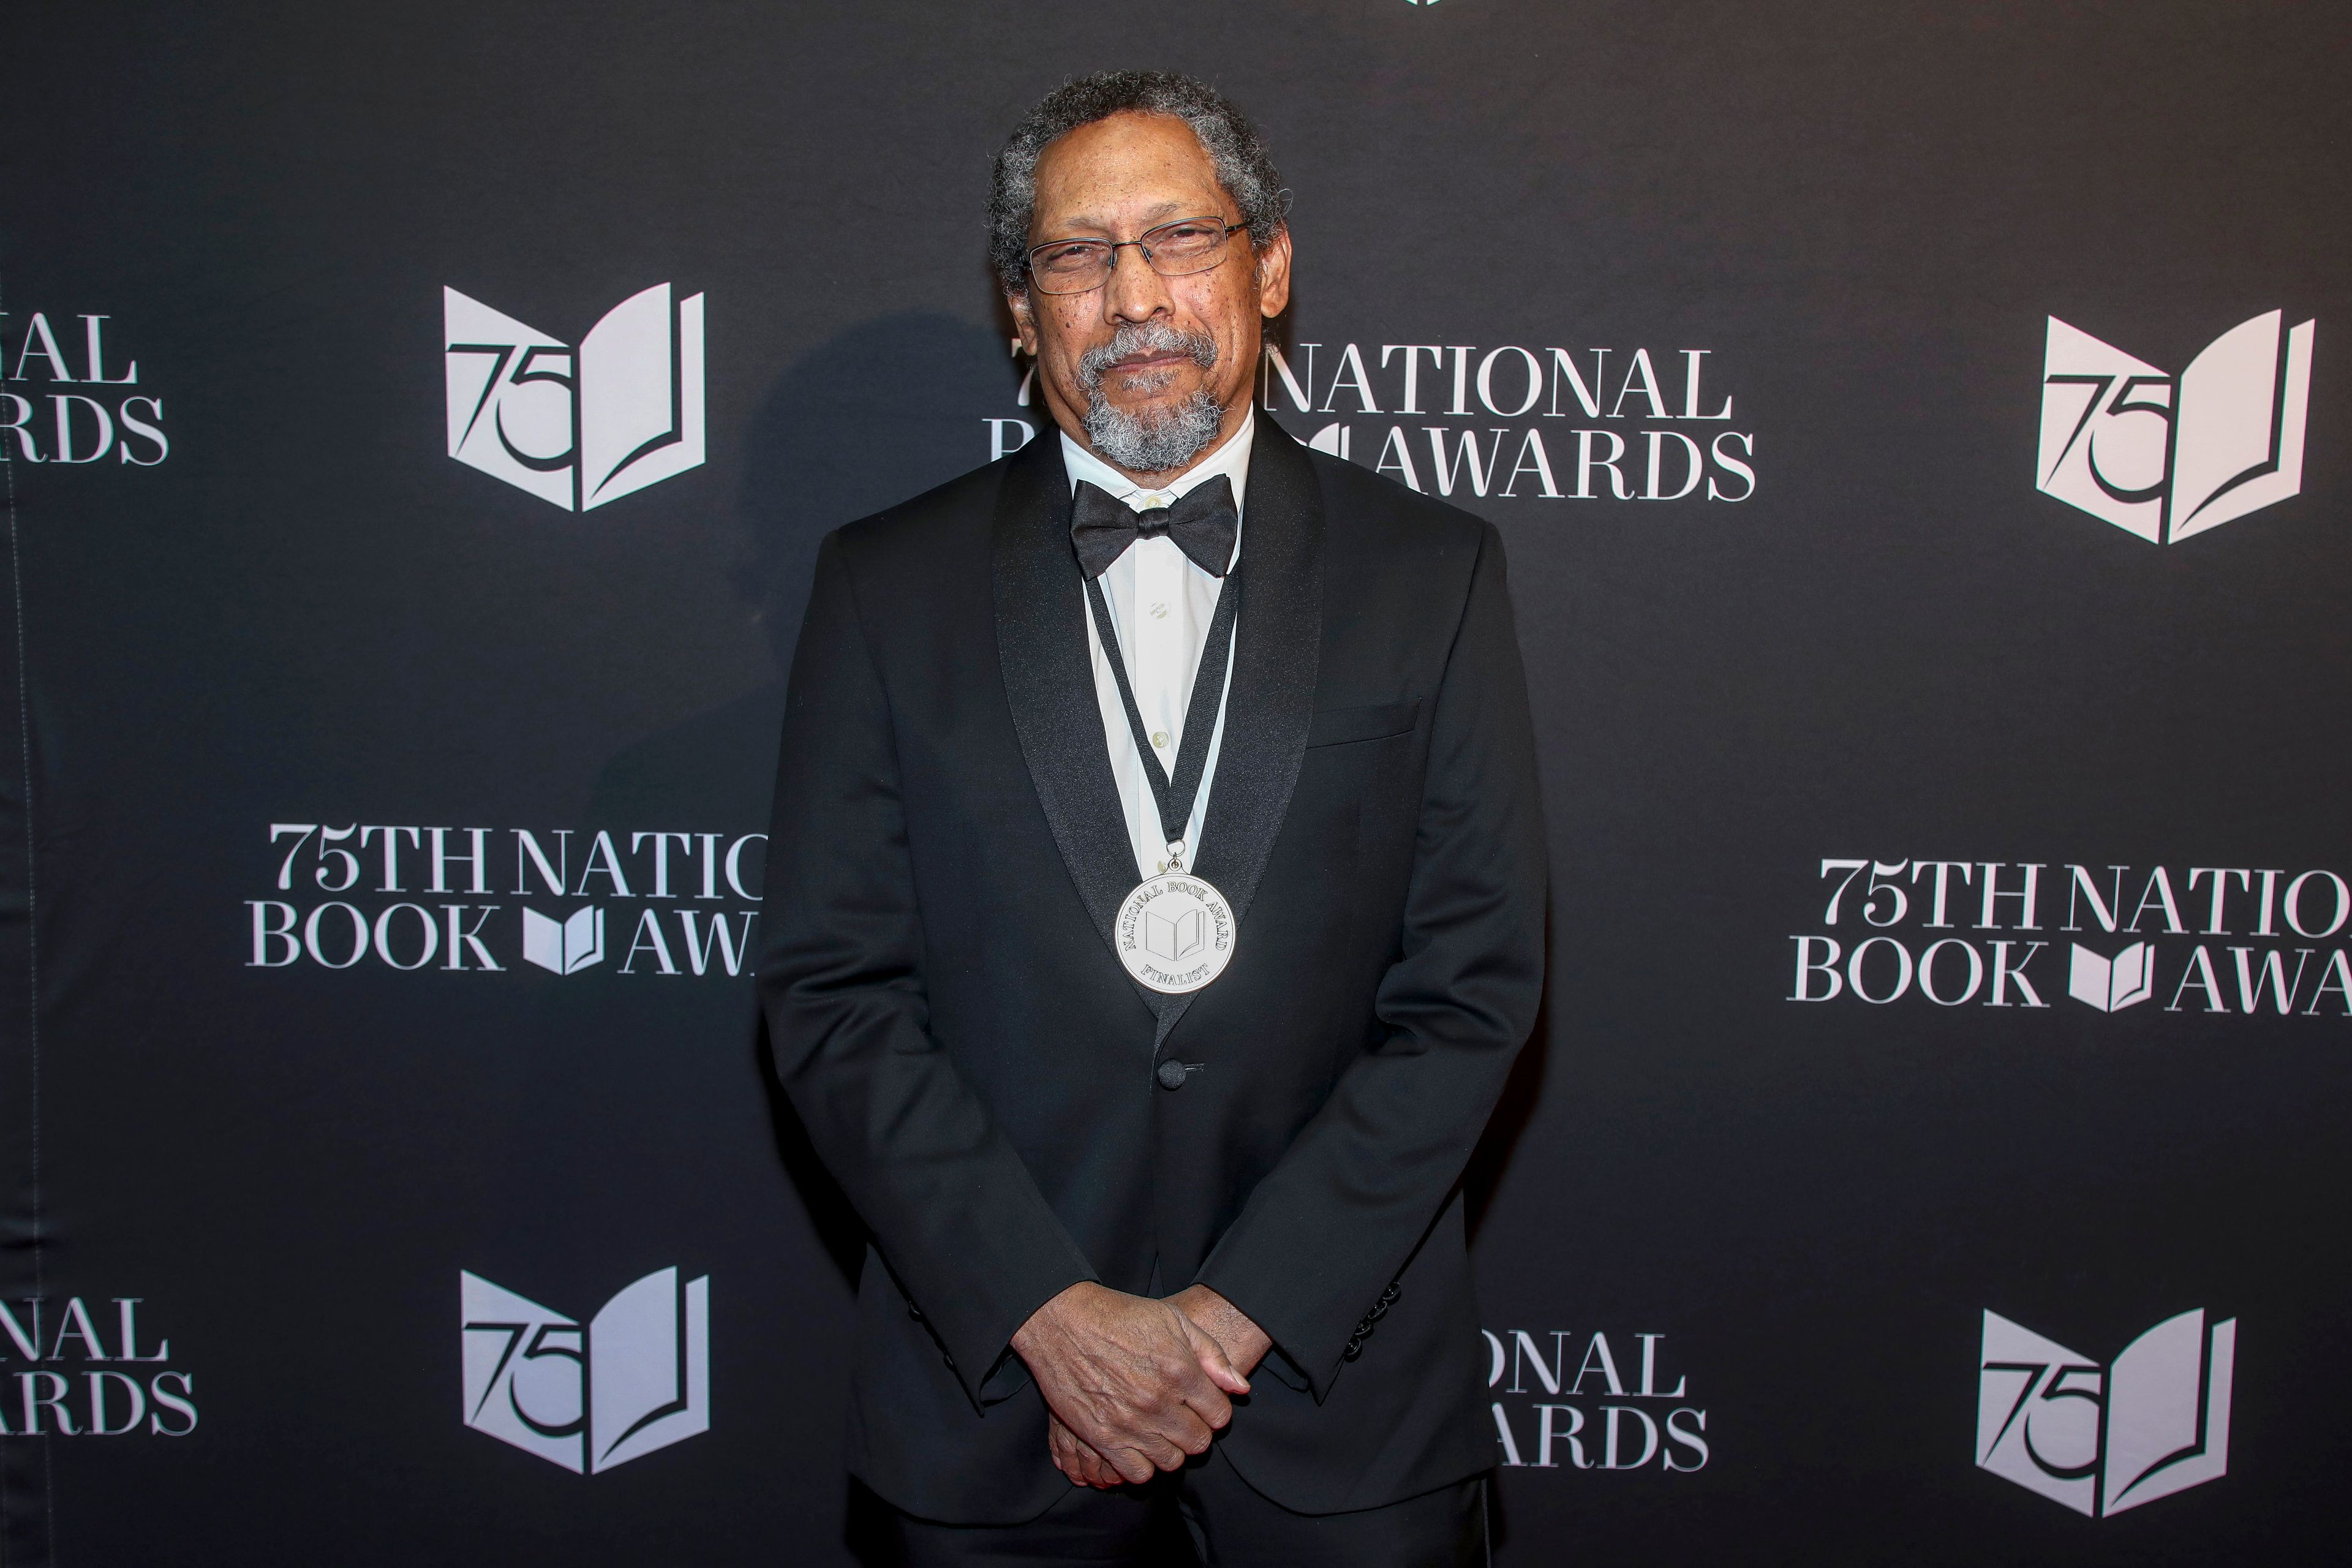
[(953, 1210), (1317, 1248)]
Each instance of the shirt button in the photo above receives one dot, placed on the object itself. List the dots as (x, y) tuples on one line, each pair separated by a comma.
[(1158, 612), (1159, 739)]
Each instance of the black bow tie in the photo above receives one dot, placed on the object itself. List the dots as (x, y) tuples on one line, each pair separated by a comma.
[(1204, 523)]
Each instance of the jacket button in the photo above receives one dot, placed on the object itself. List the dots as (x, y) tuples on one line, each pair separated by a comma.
[(1171, 1074)]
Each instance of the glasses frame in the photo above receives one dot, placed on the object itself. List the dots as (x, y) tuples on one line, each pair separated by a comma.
[(1141, 242)]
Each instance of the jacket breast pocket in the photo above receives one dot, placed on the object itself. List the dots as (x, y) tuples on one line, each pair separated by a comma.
[(1344, 726)]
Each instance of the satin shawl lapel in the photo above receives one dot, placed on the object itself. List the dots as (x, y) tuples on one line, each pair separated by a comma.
[(1277, 642), (1041, 642)]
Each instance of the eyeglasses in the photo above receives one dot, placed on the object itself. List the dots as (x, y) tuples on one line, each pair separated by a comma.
[(1173, 250)]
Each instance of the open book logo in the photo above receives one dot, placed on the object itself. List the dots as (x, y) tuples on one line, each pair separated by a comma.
[(2101, 1440), (577, 427), (565, 946), (2113, 985), (635, 1378), (2165, 457), (1171, 940)]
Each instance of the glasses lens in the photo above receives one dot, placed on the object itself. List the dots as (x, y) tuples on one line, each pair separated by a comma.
[(1192, 246), (1070, 268)]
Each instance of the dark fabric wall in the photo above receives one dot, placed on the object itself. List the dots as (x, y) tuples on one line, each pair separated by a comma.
[(1820, 1193)]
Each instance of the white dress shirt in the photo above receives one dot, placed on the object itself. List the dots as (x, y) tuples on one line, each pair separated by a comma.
[(1160, 606)]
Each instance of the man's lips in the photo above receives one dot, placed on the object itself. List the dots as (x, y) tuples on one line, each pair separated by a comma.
[(1152, 362)]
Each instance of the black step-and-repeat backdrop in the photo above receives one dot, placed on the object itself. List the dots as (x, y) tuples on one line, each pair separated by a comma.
[(1916, 434)]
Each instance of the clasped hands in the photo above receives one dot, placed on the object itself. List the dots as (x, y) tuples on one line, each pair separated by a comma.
[(1135, 1385)]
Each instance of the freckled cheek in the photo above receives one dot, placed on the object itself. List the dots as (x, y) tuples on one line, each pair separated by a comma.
[(1223, 317), (1072, 322), (1060, 351)]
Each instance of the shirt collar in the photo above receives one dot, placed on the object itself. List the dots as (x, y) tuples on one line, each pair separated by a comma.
[(1231, 459)]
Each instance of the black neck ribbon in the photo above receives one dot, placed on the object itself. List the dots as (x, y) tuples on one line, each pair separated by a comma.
[(1175, 797)]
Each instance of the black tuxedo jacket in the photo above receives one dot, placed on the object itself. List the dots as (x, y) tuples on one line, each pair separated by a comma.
[(977, 1069)]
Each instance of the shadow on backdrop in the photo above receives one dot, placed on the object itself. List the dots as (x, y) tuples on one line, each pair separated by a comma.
[(882, 412)]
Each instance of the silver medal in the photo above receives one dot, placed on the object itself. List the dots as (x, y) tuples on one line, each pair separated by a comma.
[(1174, 933)]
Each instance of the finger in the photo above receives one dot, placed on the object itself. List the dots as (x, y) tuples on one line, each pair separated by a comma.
[(1066, 1455), (1202, 1399), (1138, 1451), (1213, 1360), (1100, 1474), (1187, 1430), (1085, 1466), (1116, 1456)]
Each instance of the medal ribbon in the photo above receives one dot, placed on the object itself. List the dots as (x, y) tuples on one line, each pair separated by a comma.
[(1175, 797)]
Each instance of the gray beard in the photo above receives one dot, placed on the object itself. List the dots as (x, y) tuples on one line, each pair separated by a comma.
[(1163, 439), (1155, 443)]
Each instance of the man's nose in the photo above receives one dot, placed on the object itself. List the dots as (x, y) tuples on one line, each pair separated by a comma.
[(1133, 292)]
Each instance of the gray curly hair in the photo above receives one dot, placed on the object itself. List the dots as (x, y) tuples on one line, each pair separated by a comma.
[(1244, 167)]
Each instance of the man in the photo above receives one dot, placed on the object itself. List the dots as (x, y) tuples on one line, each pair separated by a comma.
[(1156, 894)]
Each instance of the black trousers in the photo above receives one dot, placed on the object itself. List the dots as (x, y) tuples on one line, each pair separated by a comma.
[(1205, 1514)]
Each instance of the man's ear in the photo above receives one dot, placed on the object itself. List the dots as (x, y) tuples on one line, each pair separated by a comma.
[(1273, 275), (1024, 322)]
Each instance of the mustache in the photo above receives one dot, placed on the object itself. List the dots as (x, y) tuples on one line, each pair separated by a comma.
[(1144, 337)]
